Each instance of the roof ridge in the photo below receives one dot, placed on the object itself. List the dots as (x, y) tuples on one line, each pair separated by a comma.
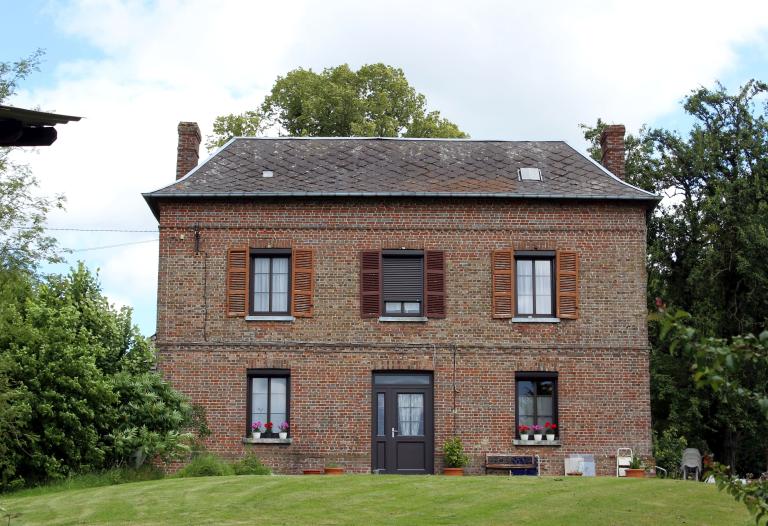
[(441, 139)]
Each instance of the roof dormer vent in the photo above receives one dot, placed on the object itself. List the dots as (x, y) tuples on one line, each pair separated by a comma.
[(529, 174), (267, 173)]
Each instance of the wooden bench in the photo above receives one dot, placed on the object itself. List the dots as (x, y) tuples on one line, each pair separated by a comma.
[(511, 462)]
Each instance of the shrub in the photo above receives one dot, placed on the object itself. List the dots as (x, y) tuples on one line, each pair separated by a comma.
[(453, 452), (668, 450), (206, 465), (250, 465)]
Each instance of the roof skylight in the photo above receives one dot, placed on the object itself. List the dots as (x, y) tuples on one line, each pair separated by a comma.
[(529, 174)]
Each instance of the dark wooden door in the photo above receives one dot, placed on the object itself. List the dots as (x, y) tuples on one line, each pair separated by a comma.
[(403, 427)]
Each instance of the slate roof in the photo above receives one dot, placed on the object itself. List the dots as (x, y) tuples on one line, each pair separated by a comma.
[(397, 167)]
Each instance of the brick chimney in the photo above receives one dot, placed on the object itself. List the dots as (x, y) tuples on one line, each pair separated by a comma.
[(612, 144), (188, 151)]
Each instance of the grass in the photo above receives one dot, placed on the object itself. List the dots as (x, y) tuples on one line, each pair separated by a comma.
[(368, 499)]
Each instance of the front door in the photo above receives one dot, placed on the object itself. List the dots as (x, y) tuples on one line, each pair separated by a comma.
[(402, 423)]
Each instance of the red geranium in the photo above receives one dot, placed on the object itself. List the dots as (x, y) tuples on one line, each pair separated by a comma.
[(524, 429), (268, 426), (551, 427)]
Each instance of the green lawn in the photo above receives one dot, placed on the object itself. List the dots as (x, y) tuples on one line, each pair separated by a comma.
[(369, 499)]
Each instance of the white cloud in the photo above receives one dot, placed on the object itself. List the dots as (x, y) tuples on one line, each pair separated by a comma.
[(520, 70)]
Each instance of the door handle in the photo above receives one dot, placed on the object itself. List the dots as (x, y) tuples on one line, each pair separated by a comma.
[(394, 431)]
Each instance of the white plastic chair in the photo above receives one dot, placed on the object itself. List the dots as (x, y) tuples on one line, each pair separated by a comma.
[(691, 462), (623, 460)]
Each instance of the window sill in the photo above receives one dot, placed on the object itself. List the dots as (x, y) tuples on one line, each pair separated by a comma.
[(248, 440), (551, 443), (406, 319), (535, 320), (270, 318)]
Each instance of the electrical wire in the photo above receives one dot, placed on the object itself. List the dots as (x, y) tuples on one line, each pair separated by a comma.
[(113, 246)]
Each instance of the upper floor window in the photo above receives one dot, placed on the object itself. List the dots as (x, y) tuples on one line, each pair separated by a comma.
[(270, 282), (403, 282), (535, 283)]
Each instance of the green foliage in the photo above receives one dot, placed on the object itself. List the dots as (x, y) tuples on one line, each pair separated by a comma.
[(706, 255), (668, 449), (374, 101), (753, 493), (247, 124), (206, 465), (23, 243), (13, 72), (736, 371), (453, 453), (76, 385), (250, 464), (635, 463)]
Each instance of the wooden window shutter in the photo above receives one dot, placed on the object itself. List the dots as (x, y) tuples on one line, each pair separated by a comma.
[(237, 281), (503, 283), (302, 282), (434, 266), (370, 284), (567, 284)]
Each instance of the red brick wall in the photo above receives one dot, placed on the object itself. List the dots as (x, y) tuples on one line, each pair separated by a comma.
[(601, 358)]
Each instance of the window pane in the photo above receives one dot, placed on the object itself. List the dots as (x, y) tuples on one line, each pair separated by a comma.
[(380, 414), (525, 388), (543, 287), (412, 307), (260, 283), (546, 387), (525, 421), (393, 307), (280, 265), (261, 302), (410, 414), (279, 302), (544, 406), (261, 265), (525, 405), (524, 285), (259, 400), (277, 419)]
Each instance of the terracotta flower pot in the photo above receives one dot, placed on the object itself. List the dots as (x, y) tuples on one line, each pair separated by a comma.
[(313, 471), (334, 471), (635, 473), (453, 472)]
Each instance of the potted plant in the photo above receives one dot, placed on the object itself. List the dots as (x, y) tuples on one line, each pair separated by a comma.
[(455, 459), (635, 469), (268, 428), (284, 427), (333, 468), (537, 431), (256, 429), (551, 430), (523, 431)]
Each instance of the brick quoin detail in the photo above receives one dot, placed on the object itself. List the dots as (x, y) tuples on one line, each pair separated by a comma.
[(601, 357)]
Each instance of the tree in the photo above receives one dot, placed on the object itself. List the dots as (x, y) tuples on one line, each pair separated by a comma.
[(77, 386), (374, 101), (706, 246), (23, 243), (736, 371)]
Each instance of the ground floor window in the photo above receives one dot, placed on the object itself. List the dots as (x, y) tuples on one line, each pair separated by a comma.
[(536, 399), (268, 399)]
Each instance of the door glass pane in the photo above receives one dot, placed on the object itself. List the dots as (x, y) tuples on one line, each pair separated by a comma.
[(524, 287), (401, 379), (380, 415), (410, 414)]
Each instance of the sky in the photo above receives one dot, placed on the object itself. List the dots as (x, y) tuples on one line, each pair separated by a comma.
[(502, 70)]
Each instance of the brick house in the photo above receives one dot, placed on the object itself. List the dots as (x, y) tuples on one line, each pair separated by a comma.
[(382, 295)]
